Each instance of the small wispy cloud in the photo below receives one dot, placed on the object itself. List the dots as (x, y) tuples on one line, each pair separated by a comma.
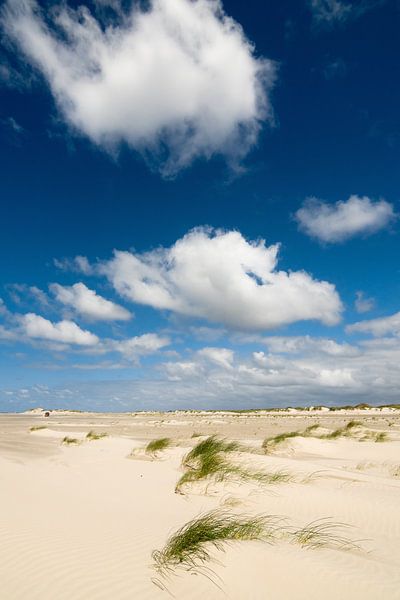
[(331, 13), (362, 303)]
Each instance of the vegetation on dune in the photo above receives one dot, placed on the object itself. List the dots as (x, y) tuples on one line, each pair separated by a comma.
[(347, 430), (322, 533), (208, 459), (93, 435), (190, 548), (158, 445), (37, 427), (69, 441)]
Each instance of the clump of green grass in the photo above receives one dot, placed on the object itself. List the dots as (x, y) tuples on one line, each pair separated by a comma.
[(189, 548), (207, 448), (381, 437), (69, 441), (310, 429), (322, 533), (271, 442), (37, 427), (208, 459), (93, 435), (158, 445), (345, 431)]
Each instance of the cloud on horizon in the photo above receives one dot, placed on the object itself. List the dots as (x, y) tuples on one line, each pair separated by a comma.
[(107, 81)]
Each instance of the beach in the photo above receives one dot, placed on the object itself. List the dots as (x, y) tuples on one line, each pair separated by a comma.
[(80, 516)]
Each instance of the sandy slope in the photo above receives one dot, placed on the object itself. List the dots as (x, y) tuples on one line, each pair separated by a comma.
[(80, 522)]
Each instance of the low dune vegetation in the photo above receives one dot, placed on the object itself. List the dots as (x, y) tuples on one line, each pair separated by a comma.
[(69, 441), (37, 427), (94, 435), (352, 429), (191, 547), (158, 445), (209, 460)]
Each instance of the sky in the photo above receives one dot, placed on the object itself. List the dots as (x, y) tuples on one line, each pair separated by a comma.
[(200, 204)]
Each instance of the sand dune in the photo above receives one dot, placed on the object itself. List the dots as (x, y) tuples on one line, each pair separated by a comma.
[(81, 520)]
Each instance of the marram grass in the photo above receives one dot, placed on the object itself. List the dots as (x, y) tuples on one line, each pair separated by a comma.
[(69, 441), (94, 435), (191, 546), (209, 460), (158, 445)]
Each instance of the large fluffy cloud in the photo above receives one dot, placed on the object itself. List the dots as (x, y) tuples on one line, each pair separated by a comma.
[(66, 332), (221, 277), (342, 220), (179, 76), (88, 303)]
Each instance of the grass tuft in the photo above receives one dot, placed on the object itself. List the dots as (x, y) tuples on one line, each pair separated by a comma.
[(190, 546), (322, 533), (208, 460), (37, 427), (93, 435), (157, 445), (69, 441), (381, 437), (271, 442)]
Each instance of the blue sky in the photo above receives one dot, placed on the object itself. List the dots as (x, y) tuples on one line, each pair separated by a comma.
[(243, 161)]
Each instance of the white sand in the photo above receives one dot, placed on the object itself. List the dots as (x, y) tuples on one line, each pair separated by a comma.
[(80, 522)]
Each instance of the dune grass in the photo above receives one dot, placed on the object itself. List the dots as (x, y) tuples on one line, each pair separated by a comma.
[(69, 441), (208, 459), (322, 533), (381, 437), (37, 427), (345, 431), (189, 548), (93, 435), (273, 441), (158, 445)]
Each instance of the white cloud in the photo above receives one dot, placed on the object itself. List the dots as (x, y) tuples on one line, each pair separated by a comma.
[(221, 277), (88, 303), (362, 303), (344, 219), (137, 346), (377, 327), (222, 357), (328, 13), (79, 264), (369, 374), (176, 81), (66, 332), (305, 344)]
